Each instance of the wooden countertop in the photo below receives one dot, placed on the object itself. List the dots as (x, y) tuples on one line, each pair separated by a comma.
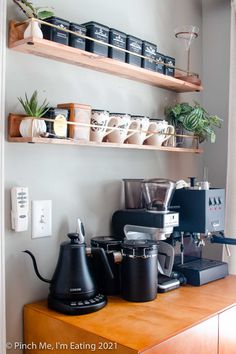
[(144, 325)]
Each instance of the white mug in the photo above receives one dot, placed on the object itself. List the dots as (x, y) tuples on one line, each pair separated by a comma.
[(122, 122), (99, 122), (161, 131), (141, 124)]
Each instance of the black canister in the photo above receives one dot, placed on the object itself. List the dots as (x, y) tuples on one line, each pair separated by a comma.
[(149, 50), (100, 32), (139, 270), (112, 248), (58, 128), (169, 70), (118, 39), (56, 34), (77, 41), (133, 45), (160, 60)]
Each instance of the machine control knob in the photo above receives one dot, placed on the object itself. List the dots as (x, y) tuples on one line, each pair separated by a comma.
[(220, 200), (212, 201)]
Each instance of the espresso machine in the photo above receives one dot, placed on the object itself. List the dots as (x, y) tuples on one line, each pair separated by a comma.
[(201, 218)]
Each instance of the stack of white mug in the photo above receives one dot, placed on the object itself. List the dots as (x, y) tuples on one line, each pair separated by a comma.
[(123, 128)]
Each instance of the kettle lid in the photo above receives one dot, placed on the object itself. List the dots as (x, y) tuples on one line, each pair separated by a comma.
[(74, 238)]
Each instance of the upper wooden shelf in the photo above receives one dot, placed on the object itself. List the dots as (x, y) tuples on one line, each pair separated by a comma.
[(67, 54)]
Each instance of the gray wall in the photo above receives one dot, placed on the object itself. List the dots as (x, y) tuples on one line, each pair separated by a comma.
[(216, 60), (85, 181)]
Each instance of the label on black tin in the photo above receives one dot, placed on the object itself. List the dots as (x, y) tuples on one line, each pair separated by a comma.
[(135, 47), (160, 60), (150, 52), (60, 33), (101, 34), (80, 39), (119, 41), (170, 62)]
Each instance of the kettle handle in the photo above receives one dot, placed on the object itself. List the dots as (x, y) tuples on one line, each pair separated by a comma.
[(102, 254), (36, 267)]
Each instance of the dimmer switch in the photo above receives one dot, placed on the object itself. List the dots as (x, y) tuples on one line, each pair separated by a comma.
[(41, 218)]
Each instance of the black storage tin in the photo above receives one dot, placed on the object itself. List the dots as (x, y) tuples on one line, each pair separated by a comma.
[(55, 34), (133, 44), (139, 270), (160, 58), (100, 32), (149, 50), (52, 113), (118, 39), (76, 41), (168, 70)]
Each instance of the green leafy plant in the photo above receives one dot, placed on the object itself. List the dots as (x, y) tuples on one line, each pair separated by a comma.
[(32, 107), (34, 12), (194, 119)]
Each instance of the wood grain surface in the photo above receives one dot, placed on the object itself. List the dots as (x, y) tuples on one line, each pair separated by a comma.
[(139, 327)]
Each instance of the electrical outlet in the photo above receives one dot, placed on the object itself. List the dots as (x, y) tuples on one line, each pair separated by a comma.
[(41, 218)]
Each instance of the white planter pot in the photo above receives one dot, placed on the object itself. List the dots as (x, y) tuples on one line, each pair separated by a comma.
[(33, 30), (32, 127)]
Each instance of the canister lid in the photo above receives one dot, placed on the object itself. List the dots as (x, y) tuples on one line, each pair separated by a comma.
[(129, 36), (149, 43), (93, 23), (53, 19), (169, 58), (78, 25), (108, 243), (118, 31), (139, 248)]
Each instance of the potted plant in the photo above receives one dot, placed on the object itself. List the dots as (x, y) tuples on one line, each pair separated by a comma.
[(193, 120), (33, 127), (31, 11)]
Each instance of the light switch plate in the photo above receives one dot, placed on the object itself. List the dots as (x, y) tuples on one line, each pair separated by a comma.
[(41, 218)]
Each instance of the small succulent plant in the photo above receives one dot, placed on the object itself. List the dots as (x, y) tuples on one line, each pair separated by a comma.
[(32, 107), (34, 12)]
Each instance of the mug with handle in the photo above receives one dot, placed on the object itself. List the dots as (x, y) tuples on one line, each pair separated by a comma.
[(121, 122), (99, 121), (161, 131), (141, 124)]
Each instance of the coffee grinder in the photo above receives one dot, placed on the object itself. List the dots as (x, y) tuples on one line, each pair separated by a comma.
[(155, 221), (156, 195)]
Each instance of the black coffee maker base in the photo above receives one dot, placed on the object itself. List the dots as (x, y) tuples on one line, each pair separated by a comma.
[(75, 307)]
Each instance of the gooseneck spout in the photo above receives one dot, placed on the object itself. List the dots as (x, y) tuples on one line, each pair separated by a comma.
[(36, 267)]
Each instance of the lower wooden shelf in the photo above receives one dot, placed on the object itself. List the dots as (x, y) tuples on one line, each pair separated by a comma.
[(104, 145), (14, 137)]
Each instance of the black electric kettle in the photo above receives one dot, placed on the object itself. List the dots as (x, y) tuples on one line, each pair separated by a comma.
[(72, 288)]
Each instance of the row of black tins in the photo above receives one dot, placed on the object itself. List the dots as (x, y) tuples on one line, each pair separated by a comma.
[(112, 36)]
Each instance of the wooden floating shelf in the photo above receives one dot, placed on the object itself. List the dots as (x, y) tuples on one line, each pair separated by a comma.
[(67, 54), (14, 137), (104, 145)]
